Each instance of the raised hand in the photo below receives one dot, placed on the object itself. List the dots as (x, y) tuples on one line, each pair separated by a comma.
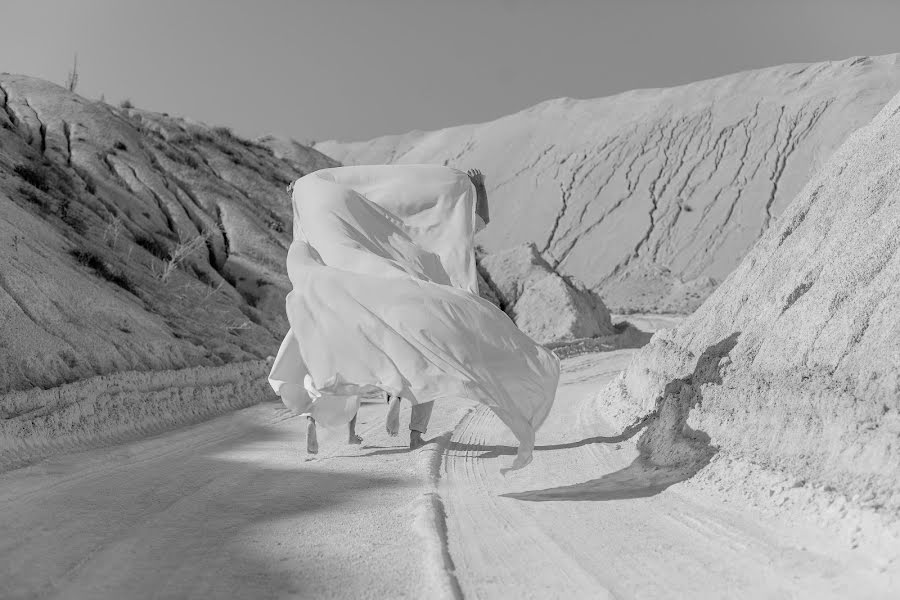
[(476, 177), (481, 201)]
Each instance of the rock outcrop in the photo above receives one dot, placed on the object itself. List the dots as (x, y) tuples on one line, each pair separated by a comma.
[(652, 197), (133, 241), (547, 307), (794, 362), (303, 157)]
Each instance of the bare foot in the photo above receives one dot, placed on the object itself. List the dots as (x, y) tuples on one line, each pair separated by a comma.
[(352, 438), (415, 440), (312, 442), (392, 424)]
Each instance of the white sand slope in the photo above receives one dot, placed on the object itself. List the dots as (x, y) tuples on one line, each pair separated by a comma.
[(793, 364), (651, 197), (230, 509)]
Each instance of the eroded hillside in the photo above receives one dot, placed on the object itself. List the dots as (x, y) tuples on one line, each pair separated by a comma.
[(652, 197), (793, 364), (130, 240)]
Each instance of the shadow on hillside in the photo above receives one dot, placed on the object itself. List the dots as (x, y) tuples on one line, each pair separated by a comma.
[(625, 336), (670, 450)]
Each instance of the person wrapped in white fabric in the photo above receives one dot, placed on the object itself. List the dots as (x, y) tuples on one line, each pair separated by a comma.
[(420, 414), (385, 298)]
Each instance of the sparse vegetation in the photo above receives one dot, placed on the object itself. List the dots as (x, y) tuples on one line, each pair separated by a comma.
[(274, 223), (212, 291), (70, 216), (89, 183), (72, 79), (126, 104), (57, 184), (112, 231), (203, 276), (34, 176), (234, 326), (177, 155), (152, 245), (252, 300), (181, 252), (29, 194), (99, 266)]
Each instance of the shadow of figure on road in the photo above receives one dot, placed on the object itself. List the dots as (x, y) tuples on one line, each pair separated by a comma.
[(670, 450)]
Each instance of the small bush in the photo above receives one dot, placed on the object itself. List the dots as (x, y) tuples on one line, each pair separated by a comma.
[(153, 246), (273, 223), (120, 146), (34, 176), (33, 197), (126, 103), (88, 259), (180, 156), (112, 231), (201, 136), (70, 217), (180, 253), (95, 262), (89, 183), (204, 277), (190, 161)]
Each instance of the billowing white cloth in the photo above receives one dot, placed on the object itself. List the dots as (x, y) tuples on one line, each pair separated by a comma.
[(385, 297)]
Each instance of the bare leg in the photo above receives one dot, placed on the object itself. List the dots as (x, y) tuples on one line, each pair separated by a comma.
[(392, 424), (312, 442), (352, 438), (418, 423)]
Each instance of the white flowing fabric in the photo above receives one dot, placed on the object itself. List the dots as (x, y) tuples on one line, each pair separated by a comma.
[(385, 298)]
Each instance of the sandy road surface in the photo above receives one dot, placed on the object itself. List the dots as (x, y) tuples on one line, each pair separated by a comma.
[(588, 520), (225, 509)]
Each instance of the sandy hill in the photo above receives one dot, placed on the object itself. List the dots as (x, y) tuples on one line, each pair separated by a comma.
[(793, 364), (652, 197), (96, 200)]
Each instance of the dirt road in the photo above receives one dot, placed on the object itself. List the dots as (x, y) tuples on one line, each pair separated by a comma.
[(232, 508)]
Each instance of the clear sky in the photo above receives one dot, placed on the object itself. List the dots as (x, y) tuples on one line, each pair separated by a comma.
[(355, 69)]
